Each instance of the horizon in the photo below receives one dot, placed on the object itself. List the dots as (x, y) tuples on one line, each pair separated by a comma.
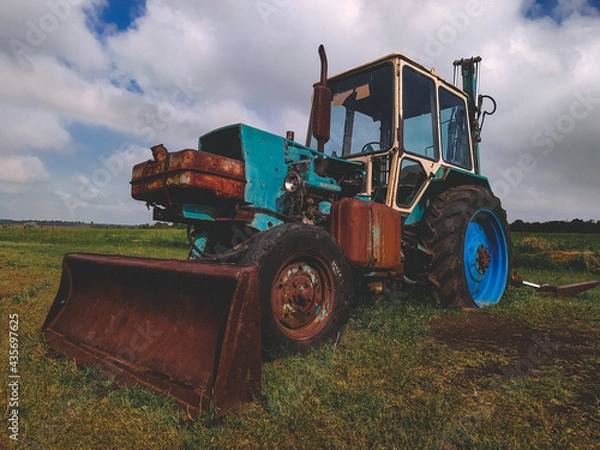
[(154, 222)]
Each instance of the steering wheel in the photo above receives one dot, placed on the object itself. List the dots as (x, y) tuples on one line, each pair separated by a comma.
[(368, 147)]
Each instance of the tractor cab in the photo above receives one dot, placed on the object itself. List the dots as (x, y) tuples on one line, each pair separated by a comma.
[(406, 124)]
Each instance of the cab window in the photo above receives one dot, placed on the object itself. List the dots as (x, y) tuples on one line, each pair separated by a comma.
[(454, 130), (419, 121), (362, 112), (410, 182)]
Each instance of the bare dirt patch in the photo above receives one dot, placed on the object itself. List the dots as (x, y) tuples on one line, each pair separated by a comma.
[(509, 338), (521, 346), (572, 347), (515, 339)]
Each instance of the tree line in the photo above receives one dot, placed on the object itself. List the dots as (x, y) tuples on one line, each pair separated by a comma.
[(558, 226)]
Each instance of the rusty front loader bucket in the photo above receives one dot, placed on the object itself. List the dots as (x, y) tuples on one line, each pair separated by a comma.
[(186, 329)]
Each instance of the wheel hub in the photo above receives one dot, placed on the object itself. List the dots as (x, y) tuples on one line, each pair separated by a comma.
[(483, 259), (303, 295), (300, 296)]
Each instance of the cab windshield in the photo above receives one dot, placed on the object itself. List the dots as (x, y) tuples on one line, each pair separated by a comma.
[(362, 112)]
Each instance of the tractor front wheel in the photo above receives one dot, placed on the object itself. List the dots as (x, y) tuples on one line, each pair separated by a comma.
[(466, 230), (305, 286)]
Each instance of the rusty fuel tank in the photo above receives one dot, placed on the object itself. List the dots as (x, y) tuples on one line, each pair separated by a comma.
[(369, 233), (188, 176), (181, 328)]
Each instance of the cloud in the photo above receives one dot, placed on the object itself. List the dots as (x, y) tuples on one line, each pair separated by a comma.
[(22, 170), (55, 28), (26, 127), (184, 68)]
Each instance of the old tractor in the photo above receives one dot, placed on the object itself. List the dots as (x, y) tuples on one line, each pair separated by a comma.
[(386, 188)]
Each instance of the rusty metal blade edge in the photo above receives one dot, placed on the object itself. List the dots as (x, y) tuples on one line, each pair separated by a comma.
[(186, 396), (569, 290)]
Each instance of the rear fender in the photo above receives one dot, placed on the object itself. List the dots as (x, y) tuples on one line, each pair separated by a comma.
[(444, 179)]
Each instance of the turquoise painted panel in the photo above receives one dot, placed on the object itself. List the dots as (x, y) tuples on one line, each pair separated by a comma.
[(264, 221), (264, 155), (267, 159), (199, 212), (444, 179)]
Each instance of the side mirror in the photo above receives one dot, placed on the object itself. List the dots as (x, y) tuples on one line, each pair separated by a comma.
[(322, 96)]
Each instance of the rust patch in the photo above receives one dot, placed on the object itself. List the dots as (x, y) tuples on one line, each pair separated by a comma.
[(185, 329), (369, 233), (569, 290), (187, 176)]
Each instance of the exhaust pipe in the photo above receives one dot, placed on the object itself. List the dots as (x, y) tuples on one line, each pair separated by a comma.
[(322, 105)]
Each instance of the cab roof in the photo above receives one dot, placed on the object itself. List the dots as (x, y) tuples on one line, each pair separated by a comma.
[(394, 58)]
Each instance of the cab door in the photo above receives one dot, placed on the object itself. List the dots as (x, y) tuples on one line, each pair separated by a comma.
[(420, 153), (435, 133)]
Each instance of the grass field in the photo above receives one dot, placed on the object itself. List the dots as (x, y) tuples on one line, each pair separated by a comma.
[(522, 374)]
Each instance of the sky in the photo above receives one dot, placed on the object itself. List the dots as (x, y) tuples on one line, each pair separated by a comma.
[(87, 86)]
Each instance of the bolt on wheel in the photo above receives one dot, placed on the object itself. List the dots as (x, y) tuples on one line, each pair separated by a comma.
[(302, 295), (466, 230), (305, 287), (485, 258)]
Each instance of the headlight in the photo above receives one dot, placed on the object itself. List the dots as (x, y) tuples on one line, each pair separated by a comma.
[(292, 182)]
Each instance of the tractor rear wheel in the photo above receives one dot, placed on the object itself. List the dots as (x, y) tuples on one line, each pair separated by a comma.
[(305, 286), (466, 230)]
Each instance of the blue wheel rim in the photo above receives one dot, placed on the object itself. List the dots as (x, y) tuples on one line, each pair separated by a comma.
[(485, 258)]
